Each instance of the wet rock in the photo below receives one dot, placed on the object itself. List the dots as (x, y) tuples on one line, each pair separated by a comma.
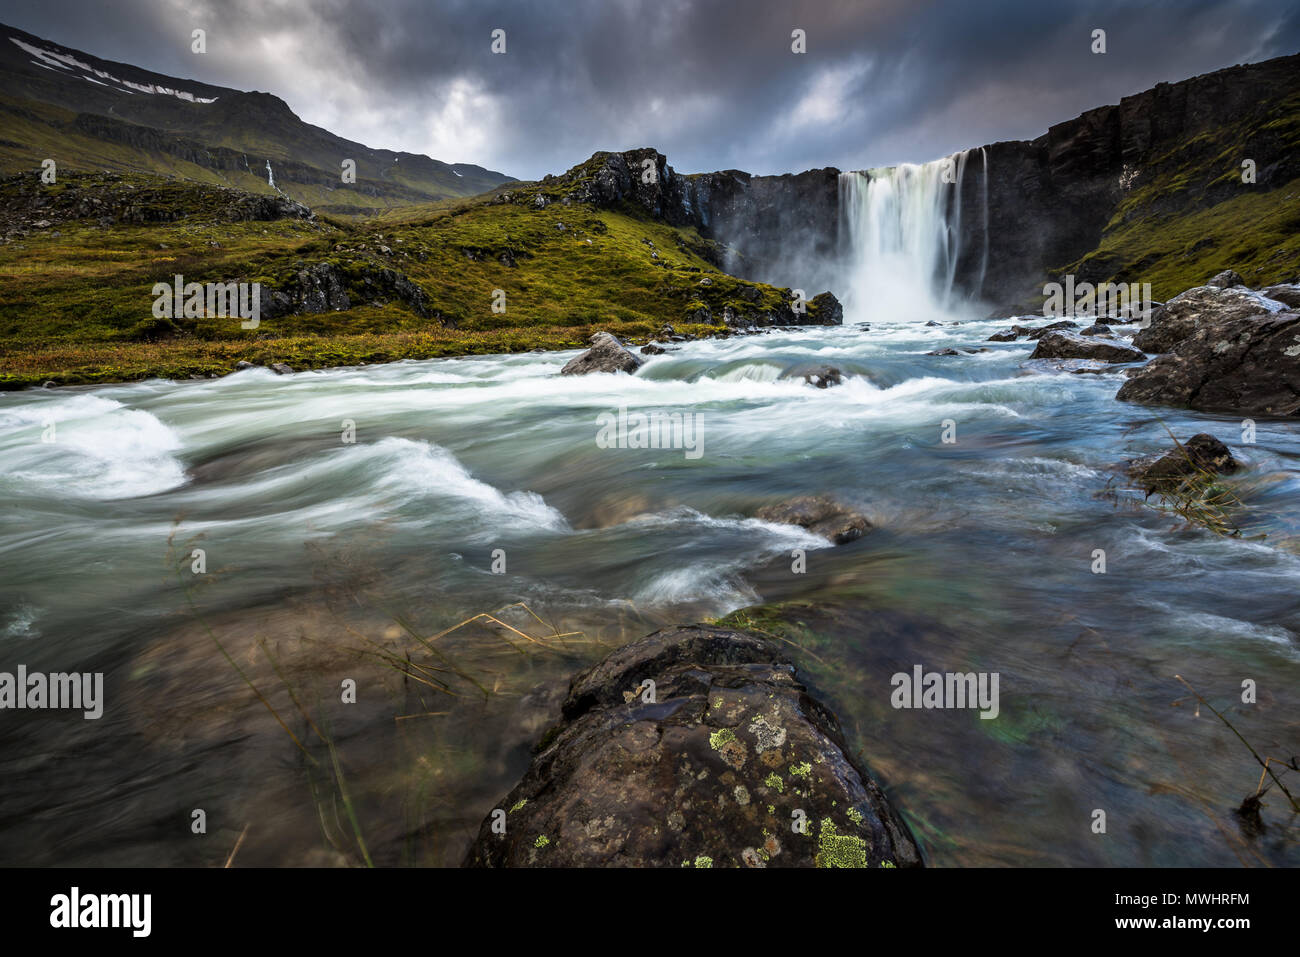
[(1097, 329), (650, 349), (824, 378), (1226, 279), (1188, 311), (820, 515), (1068, 345), (1053, 327), (1247, 366), (933, 323), (1200, 454), (708, 770), (279, 368), (1029, 332), (825, 310), (605, 355), (243, 364), (944, 352), (1009, 335)]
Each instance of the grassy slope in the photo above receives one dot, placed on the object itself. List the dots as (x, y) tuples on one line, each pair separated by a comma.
[(76, 307), (34, 131), (1190, 215)]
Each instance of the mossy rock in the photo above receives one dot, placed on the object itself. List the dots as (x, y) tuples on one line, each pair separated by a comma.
[(725, 761)]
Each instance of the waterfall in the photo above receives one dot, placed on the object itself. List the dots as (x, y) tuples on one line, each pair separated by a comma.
[(904, 237)]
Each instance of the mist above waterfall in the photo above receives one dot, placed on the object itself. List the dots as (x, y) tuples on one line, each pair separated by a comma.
[(902, 237)]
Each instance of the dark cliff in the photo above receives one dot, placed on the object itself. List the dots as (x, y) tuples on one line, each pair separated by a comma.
[(1131, 171), (1110, 195)]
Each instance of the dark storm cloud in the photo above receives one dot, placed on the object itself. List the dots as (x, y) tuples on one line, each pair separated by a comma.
[(712, 84)]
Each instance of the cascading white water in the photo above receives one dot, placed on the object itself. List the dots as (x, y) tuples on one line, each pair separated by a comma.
[(904, 237)]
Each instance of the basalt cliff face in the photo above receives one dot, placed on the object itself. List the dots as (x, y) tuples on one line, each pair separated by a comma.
[(1109, 195), (1116, 194), (759, 219)]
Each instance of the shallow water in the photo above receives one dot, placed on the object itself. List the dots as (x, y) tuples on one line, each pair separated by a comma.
[(329, 560)]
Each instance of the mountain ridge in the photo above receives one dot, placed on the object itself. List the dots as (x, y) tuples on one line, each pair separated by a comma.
[(67, 100)]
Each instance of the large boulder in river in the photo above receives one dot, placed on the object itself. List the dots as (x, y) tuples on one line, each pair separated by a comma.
[(1249, 366), (1182, 315), (820, 515), (605, 355), (714, 765), (1069, 345)]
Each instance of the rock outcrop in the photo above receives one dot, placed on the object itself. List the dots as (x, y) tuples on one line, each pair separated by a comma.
[(607, 354), (696, 746), (1226, 279), (758, 219), (1244, 366), (1204, 305), (326, 287)]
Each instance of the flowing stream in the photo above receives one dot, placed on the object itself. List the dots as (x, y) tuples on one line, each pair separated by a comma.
[(195, 541)]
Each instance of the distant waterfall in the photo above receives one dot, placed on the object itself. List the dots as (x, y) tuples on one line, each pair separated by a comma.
[(904, 236)]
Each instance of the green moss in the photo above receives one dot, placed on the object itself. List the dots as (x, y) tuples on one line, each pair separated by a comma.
[(801, 770), (542, 841), (520, 803), (774, 781), (703, 861), (855, 816), (721, 737)]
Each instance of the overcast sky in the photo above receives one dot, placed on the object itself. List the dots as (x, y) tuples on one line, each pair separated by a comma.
[(714, 85)]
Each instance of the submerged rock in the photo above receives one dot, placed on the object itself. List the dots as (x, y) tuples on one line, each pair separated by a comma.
[(820, 515), (1200, 454), (605, 355), (725, 761), (1247, 366), (1068, 345), (824, 378)]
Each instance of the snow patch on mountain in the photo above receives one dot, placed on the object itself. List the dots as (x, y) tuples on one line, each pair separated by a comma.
[(62, 61)]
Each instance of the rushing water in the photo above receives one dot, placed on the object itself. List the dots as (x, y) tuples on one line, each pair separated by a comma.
[(324, 558), (447, 541)]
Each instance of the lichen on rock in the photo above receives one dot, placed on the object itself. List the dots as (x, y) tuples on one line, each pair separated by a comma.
[(685, 781)]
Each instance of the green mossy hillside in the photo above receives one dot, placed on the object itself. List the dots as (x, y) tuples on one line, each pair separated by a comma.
[(1188, 214), (76, 295)]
